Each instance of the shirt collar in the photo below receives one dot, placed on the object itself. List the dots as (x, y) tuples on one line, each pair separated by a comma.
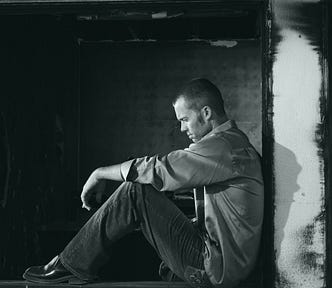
[(222, 127)]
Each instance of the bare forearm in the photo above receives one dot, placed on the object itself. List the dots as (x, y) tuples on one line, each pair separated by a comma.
[(96, 182), (112, 172)]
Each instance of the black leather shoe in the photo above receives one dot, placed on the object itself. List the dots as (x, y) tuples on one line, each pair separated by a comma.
[(53, 272)]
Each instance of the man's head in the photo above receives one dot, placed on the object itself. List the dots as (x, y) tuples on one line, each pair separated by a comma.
[(199, 107)]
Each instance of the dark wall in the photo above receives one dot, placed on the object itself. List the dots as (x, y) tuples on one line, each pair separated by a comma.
[(36, 96), (127, 90), (124, 91)]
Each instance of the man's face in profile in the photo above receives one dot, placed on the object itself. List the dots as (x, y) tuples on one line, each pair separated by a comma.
[(191, 120)]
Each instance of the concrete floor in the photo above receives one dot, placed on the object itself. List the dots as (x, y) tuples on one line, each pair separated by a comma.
[(146, 284)]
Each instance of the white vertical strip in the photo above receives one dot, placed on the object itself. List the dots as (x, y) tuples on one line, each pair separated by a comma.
[(299, 236)]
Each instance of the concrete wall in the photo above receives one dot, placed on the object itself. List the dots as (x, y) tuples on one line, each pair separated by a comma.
[(37, 137), (298, 95), (113, 87), (127, 90)]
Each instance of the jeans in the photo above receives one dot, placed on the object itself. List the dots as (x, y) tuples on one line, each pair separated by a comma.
[(178, 243)]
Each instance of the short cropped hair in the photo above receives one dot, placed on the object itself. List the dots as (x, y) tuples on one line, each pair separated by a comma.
[(200, 92)]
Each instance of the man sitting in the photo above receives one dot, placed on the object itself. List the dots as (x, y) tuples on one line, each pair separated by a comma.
[(220, 159)]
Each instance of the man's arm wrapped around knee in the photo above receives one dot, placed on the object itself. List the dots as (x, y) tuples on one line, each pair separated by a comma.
[(96, 183), (192, 167)]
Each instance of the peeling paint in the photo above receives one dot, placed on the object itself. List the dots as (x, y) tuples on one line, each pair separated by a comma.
[(299, 180), (159, 15), (309, 257), (221, 43), (283, 281), (217, 43)]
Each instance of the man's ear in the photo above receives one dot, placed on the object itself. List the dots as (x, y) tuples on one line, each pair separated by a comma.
[(206, 112)]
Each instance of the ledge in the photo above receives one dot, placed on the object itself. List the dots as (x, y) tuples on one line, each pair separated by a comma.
[(140, 284), (144, 284)]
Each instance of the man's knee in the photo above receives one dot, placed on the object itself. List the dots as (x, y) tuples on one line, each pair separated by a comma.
[(132, 190), (141, 192), (135, 187), (136, 192)]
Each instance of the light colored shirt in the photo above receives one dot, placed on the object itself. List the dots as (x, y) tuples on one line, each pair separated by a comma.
[(229, 167)]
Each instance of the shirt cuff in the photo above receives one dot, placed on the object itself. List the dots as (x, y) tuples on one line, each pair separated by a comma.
[(125, 168)]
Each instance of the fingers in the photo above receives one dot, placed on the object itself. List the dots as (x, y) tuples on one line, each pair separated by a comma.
[(91, 186), (85, 204), (86, 207), (84, 199)]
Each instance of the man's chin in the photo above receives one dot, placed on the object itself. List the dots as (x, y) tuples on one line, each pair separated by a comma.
[(194, 139)]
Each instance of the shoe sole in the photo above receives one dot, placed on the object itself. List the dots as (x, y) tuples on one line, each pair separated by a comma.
[(71, 279)]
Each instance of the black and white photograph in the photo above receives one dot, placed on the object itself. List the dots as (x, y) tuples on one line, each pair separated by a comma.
[(165, 143)]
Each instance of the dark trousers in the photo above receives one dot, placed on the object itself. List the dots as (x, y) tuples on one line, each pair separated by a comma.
[(178, 243)]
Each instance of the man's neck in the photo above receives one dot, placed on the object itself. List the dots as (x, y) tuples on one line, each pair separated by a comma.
[(218, 121)]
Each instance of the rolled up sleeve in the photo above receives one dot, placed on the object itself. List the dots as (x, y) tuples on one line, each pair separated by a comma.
[(125, 168), (181, 169)]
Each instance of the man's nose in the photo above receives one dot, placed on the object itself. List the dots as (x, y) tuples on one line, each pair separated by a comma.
[(183, 127)]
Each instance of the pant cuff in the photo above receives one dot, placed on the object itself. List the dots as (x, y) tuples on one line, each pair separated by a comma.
[(80, 275)]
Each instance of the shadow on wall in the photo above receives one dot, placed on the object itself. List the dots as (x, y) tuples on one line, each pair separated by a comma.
[(289, 169)]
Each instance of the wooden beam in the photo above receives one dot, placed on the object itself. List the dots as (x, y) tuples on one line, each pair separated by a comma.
[(19, 7)]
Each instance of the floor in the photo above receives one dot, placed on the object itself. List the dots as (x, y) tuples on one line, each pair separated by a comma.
[(152, 284)]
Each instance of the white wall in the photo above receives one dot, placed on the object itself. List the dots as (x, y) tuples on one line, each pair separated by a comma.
[(298, 168)]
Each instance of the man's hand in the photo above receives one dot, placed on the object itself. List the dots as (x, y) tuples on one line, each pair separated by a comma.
[(91, 187), (96, 182)]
